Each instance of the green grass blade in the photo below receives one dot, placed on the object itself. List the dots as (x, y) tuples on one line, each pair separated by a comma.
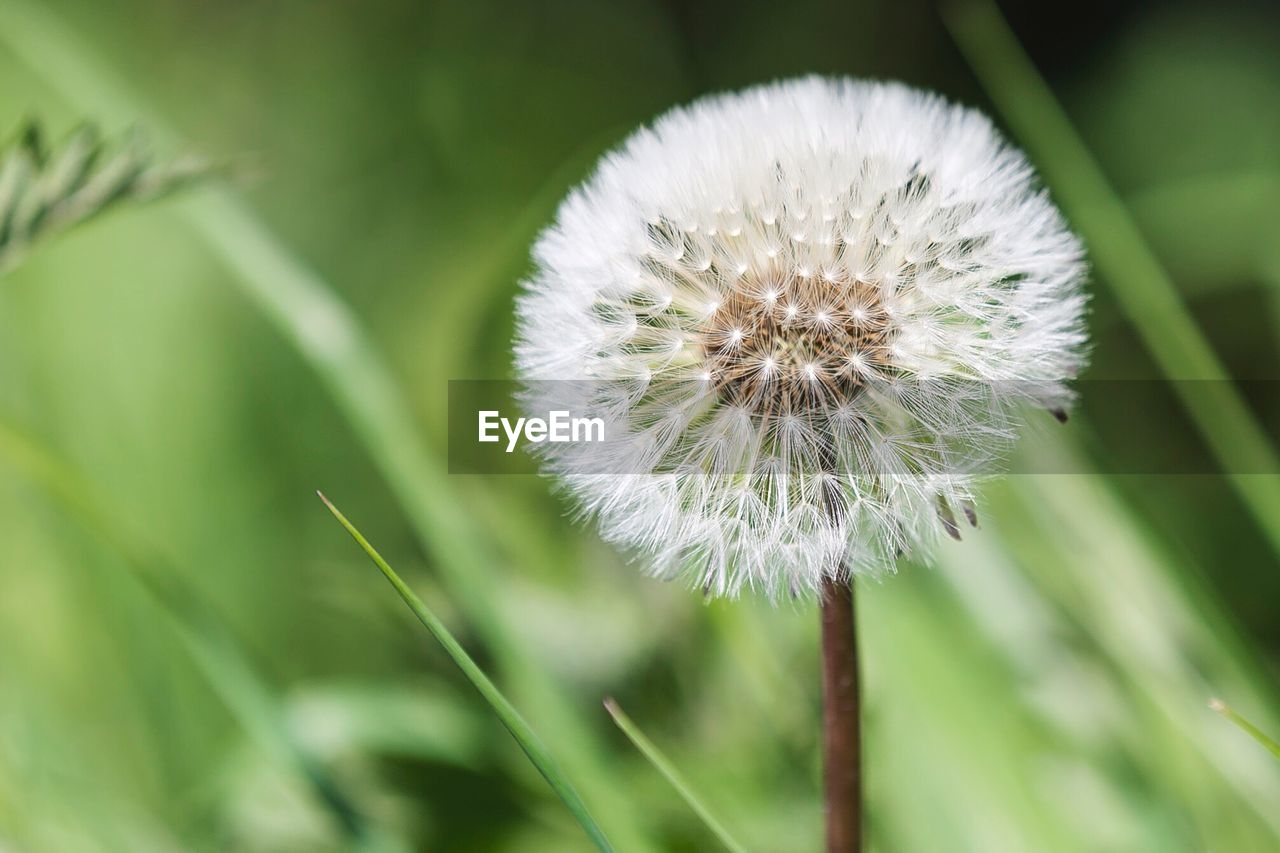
[(44, 192), (506, 712), (668, 770), (1120, 252), (308, 314), (210, 643), (1248, 727)]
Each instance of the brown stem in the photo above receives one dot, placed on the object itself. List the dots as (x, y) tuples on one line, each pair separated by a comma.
[(841, 719)]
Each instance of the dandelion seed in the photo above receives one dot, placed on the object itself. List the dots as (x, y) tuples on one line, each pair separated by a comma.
[(852, 388)]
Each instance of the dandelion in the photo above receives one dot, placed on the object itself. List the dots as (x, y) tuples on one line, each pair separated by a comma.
[(809, 312), (813, 315)]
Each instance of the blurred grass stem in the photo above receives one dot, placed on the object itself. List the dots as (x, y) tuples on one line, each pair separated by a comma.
[(326, 333), (506, 712), (218, 654), (1247, 727), (1122, 255)]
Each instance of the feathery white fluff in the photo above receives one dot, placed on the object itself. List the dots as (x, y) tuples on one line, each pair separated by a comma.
[(811, 314)]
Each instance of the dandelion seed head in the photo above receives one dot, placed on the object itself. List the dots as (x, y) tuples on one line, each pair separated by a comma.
[(867, 287)]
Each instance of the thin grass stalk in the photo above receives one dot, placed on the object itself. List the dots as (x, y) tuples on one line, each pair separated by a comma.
[(1247, 727), (208, 640), (322, 328), (1118, 249), (505, 711), (668, 770)]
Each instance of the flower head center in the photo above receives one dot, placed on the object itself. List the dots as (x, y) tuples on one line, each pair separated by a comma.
[(797, 345)]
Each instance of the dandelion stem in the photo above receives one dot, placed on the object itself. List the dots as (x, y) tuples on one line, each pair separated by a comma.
[(841, 719)]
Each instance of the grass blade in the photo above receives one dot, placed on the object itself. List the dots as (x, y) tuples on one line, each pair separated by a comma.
[(507, 713), (318, 324), (1119, 251), (668, 770), (44, 192), (210, 643), (1248, 727)]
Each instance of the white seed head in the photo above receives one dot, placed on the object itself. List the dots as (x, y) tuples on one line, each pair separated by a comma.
[(811, 314)]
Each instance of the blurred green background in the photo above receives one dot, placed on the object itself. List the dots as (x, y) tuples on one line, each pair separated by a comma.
[(1044, 687)]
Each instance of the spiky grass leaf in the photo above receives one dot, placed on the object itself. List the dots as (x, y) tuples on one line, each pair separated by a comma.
[(45, 191), (1247, 727), (507, 714), (669, 772), (1121, 254)]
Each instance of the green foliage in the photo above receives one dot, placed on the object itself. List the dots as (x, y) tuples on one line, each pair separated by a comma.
[(45, 190), (504, 710), (1247, 727), (1041, 688), (211, 645), (669, 772), (1120, 252)]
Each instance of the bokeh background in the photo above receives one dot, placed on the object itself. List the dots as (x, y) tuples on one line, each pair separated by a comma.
[(177, 380)]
